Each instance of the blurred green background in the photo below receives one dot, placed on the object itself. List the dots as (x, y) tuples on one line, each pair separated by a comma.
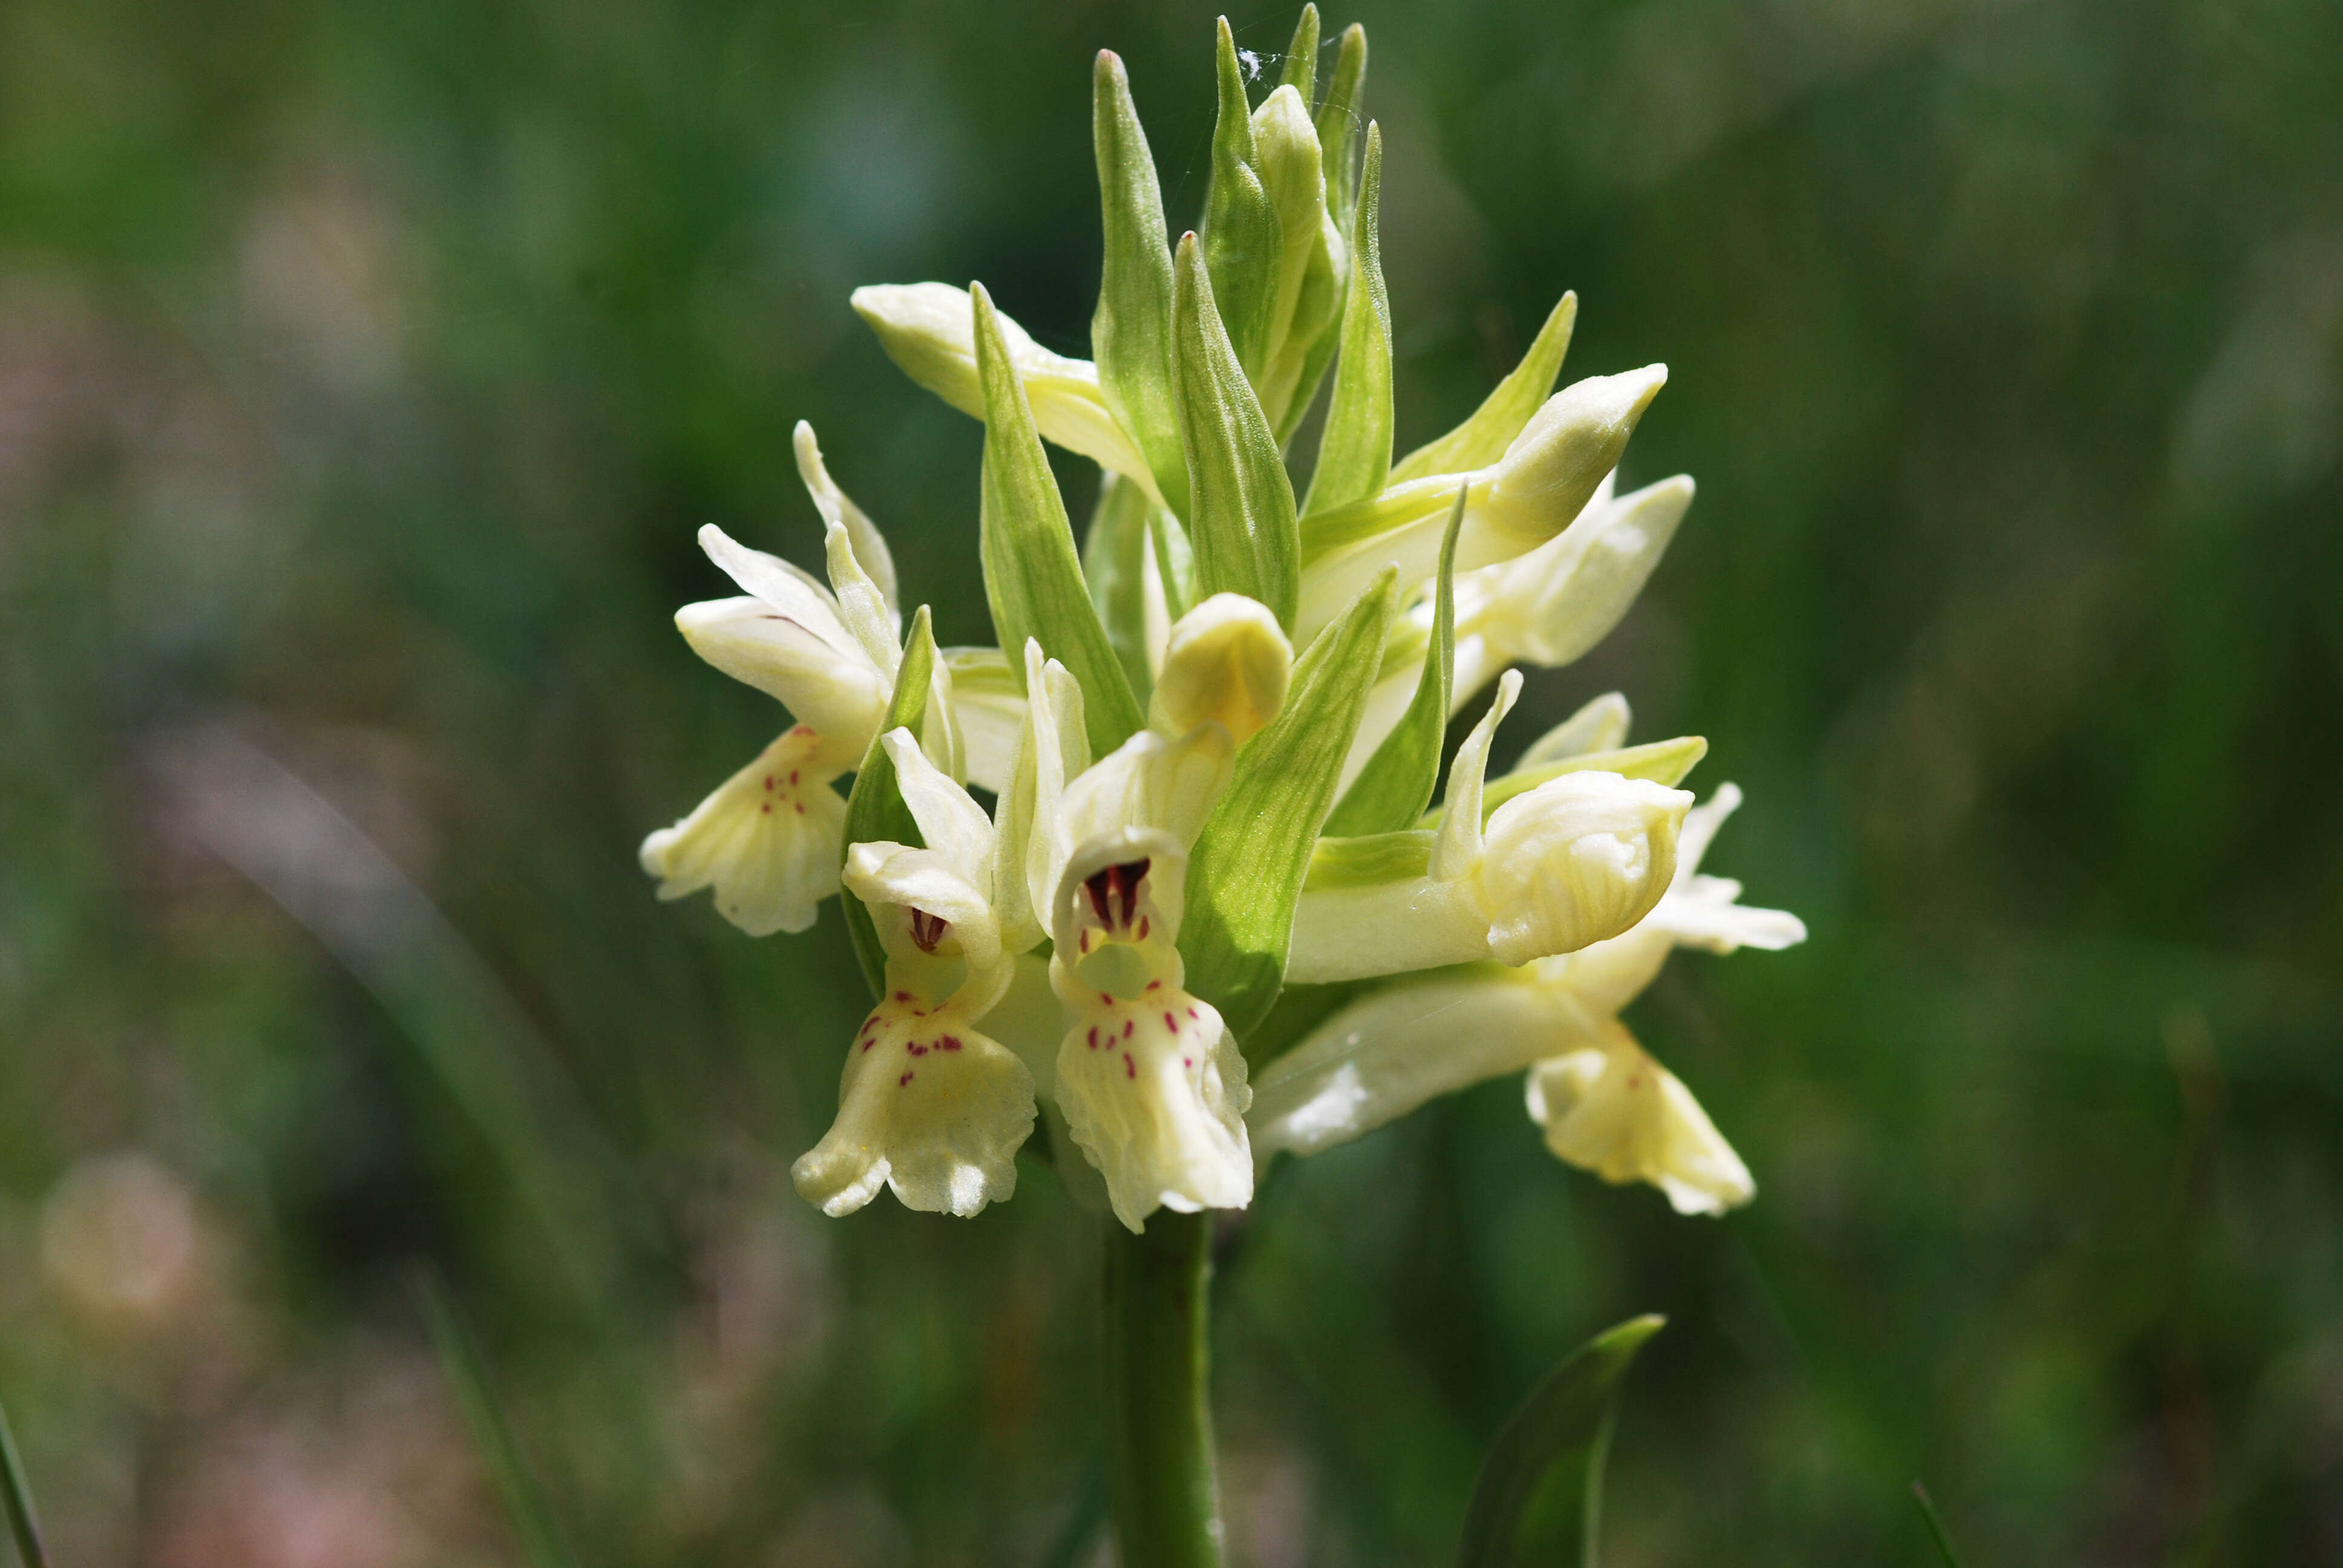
[(365, 371)]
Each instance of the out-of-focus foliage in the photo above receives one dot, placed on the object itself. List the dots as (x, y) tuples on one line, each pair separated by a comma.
[(365, 371)]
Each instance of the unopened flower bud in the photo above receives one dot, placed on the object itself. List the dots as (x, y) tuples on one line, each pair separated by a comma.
[(1225, 660), (1550, 472)]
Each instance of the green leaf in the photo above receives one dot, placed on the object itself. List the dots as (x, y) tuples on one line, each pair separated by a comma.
[(1396, 786), (1031, 575), (532, 1518), (23, 1524), (1249, 864), (1115, 563), (1241, 519), (1483, 439), (1131, 332), (1660, 761), (875, 811), (1354, 450), (1557, 1439), (1300, 71), (1338, 117), (1243, 236)]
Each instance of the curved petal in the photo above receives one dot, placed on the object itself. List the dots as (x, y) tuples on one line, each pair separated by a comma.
[(926, 1105), (929, 883), (836, 507), (786, 588), (1610, 1108), (840, 694), (1577, 860), (768, 840), (1153, 1088), (954, 825), (1459, 847)]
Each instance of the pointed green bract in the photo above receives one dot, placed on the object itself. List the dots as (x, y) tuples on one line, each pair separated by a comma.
[(1392, 791), (1354, 452), (1483, 439), (1240, 230), (541, 1545), (1246, 872), (1660, 761), (875, 811), (1338, 116), (1560, 1434), (1131, 332), (1115, 563), (1339, 861), (1175, 564), (1033, 576), (1241, 518), (1301, 71)]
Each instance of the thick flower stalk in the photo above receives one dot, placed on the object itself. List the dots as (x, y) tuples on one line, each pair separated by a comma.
[(1211, 730)]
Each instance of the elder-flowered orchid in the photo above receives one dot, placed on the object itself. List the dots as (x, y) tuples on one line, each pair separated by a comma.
[(1151, 1080), (768, 839), (1603, 1102), (1147, 1077), (1143, 671), (928, 1104), (1212, 728)]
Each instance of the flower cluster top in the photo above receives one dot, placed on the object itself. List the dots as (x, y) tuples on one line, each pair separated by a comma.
[(1212, 731)]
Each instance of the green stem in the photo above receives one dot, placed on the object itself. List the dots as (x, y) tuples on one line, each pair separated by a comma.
[(1155, 1344)]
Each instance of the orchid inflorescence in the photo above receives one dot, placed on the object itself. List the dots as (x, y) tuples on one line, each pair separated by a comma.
[(1189, 815)]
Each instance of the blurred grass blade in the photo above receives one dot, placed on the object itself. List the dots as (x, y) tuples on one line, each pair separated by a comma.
[(1396, 786), (1354, 450), (1338, 117), (23, 1524), (1114, 565), (1243, 238), (1247, 870), (1481, 439), (1241, 518), (1131, 332), (525, 1506), (1076, 1539), (1936, 1532), (450, 1006), (1561, 1434), (1300, 71), (875, 811), (1032, 575)]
